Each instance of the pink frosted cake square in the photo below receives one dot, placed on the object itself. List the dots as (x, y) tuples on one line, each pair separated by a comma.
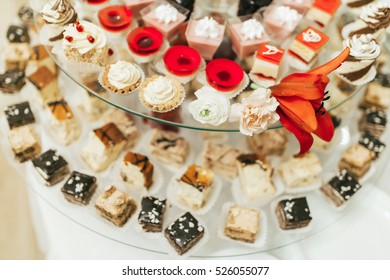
[(267, 61), (300, 5)]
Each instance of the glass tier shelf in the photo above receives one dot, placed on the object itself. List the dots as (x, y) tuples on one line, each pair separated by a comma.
[(181, 116)]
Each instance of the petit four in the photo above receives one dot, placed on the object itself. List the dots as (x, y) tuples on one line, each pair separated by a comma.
[(137, 5), (93, 106), (169, 147), (267, 61), (151, 216), (26, 15), (184, 233), (224, 74), (255, 176), (144, 43), (357, 160), (79, 188), (242, 224), (57, 14), (116, 18), (40, 57), (85, 42), (46, 83), (300, 5), (165, 16), (51, 167), (137, 170), (246, 33), (307, 45), (205, 35), (372, 143), (115, 206), (16, 56), (122, 77), (269, 142), (300, 171), (280, 21), (221, 158), (293, 213), (195, 186), (12, 81), (103, 147), (24, 143), (18, 34), (322, 11), (125, 123), (373, 121), (161, 94), (340, 188), (377, 93), (19, 114), (63, 122)]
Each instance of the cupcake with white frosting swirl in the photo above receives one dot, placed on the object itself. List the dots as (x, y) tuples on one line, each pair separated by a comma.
[(161, 94), (57, 14), (84, 42), (121, 77), (359, 68)]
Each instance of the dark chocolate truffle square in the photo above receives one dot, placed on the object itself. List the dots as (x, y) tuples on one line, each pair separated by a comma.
[(152, 212), (341, 188), (19, 114), (18, 34), (372, 143), (79, 188), (383, 79), (293, 213), (375, 117), (184, 233), (12, 81), (51, 167)]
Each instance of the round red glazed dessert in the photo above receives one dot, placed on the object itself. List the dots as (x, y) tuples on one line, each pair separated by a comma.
[(95, 2), (144, 40), (115, 18), (224, 74), (182, 60)]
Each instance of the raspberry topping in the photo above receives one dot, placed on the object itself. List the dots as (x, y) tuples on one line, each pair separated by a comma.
[(90, 39)]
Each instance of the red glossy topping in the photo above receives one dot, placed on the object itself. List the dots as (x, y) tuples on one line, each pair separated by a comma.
[(144, 40), (90, 39), (329, 6), (95, 2), (182, 60), (69, 39), (224, 74), (312, 38), (115, 18), (80, 28), (110, 52), (270, 53)]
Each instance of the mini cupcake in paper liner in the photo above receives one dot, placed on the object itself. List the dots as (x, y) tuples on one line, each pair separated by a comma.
[(184, 236), (201, 197), (112, 197), (121, 77), (291, 214), (233, 218), (161, 94), (263, 197)]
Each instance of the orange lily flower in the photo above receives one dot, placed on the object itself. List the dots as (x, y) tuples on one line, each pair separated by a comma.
[(301, 97)]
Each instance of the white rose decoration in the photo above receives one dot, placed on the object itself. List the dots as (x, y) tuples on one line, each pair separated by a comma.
[(256, 112), (211, 107)]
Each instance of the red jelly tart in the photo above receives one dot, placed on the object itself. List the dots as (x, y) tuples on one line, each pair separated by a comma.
[(115, 18), (182, 60), (144, 41), (224, 74)]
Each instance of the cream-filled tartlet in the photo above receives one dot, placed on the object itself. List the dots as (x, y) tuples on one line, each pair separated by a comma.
[(57, 14), (359, 68), (205, 35), (122, 77), (85, 42), (161, 94)]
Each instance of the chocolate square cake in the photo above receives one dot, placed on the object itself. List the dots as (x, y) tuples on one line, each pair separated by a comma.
[(184, 233), (12, 81), (293, 213), (373, 121), (372, 143), (341, 188), (151, 217), (18, 34), (51, 167), (19, 114), (79, 188)]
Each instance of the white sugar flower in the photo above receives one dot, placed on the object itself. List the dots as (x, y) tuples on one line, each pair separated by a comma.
[(210, 107), (256, 112)]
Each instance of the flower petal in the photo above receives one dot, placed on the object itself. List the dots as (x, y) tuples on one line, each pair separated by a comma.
[(236, 112), (325, 129), (304, 138), (331, 65), (300, 111)]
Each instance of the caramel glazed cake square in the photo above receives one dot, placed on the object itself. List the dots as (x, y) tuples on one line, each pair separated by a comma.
[(184, 233), (115, 206)]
